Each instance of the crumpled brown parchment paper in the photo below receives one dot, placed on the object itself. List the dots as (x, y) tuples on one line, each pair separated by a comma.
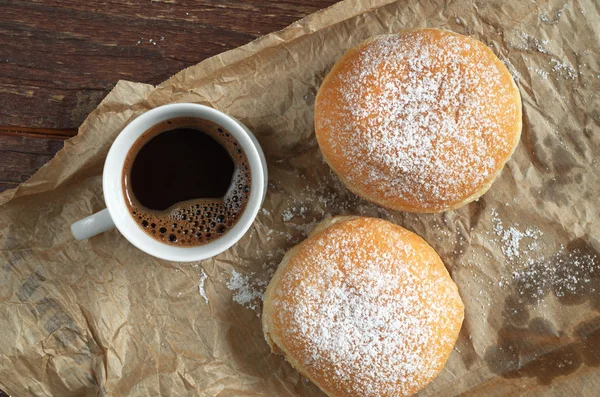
[(101, 318)]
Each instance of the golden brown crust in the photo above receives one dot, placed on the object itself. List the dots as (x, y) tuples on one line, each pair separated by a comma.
[(415, 132), (363, 307)]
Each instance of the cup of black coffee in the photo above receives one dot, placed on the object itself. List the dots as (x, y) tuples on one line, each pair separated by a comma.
[(182, 182)]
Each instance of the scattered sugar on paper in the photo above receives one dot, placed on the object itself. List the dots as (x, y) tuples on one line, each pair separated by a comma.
[(247, 291), (559, 68), (557, 14), (511, 68), (563, 69), (528, 42), (566, 272), (274, 257), (201, 289), (511, 237), (540, 72), (289, 214), (306, 228), (534, 273)]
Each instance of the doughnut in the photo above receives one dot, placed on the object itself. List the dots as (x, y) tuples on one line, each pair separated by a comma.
[(420, 121), (363, 308)]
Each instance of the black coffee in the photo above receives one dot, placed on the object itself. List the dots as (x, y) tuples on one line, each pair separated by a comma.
[(187, 181)]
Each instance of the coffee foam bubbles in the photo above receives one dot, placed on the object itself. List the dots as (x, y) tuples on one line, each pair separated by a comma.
[(199, 221)]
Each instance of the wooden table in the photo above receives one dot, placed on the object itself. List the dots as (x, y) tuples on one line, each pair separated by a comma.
[(59, 58)]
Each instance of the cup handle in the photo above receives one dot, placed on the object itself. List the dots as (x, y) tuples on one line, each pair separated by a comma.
[(92, 225)]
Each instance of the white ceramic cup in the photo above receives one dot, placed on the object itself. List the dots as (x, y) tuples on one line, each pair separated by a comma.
[(117, 213)]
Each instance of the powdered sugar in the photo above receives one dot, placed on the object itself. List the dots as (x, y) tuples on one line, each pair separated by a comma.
[(528, 42), (201, 289), (292, 212), (541, 72), (563, 273), (559, 68), (535, 270), (556, 17), (420, 120), (248, 292), (512, 237), (563, 69), (366, 315), (287, 216)]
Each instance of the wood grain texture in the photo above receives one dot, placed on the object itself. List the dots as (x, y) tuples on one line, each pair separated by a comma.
[(59, 58), (22, 154)]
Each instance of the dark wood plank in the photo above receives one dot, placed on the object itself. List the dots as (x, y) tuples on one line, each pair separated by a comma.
[(21, 155), (59, 58), (39, 132)]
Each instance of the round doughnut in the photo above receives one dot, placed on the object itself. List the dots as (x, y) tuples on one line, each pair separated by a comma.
[(363, 308), (419, 121)]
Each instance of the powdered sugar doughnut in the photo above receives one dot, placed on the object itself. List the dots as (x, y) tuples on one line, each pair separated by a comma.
[(363, 308), (419, 121)]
